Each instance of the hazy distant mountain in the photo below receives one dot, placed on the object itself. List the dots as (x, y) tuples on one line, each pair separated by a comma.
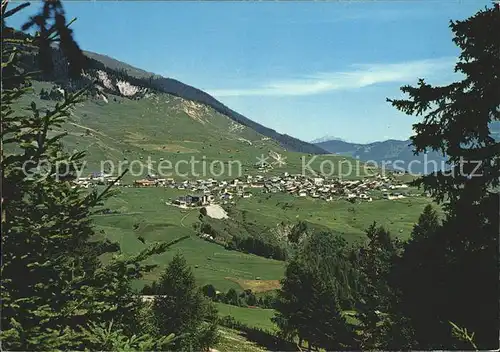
[(326, 139), (396, 154)]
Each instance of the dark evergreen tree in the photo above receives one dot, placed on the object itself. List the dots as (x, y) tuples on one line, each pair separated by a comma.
[(150, 290), (328, 253), (319, 279), (250, 298), (374, 261), (330, 330), (231, 297), (428, 223), (269, 301), (451, 274), (56, 293), (180, 308), (209, 291), (291, 306), (44, 95)]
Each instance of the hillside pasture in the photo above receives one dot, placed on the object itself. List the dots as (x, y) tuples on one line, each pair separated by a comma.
[(253, 317), (143, 212), (341, 216), (257, 286)]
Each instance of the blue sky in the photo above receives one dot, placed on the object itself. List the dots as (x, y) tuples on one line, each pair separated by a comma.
[(308, 69)]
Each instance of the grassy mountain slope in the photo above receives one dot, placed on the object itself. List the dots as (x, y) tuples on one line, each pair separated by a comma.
[(175, 87), (168, 128)]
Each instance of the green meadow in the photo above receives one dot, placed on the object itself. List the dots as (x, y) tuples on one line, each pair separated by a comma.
[(253, 317), (341, 216), (143, 212)]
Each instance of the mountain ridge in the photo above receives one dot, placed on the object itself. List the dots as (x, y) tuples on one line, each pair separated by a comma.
[(185, 91), (390, 152), (326, 139)]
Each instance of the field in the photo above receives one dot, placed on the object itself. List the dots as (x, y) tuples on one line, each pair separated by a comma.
[(143, 212), (253, 317), (232, 340), (341, 216), (257, 286)]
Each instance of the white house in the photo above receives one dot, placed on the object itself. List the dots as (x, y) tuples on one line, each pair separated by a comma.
[(318, 181)]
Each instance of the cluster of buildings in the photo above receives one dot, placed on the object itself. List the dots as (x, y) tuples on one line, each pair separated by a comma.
[(204, 192), (95, 178), (328, 189)]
